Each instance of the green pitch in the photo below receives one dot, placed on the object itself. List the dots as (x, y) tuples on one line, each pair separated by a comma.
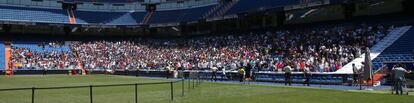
[(160, 93)]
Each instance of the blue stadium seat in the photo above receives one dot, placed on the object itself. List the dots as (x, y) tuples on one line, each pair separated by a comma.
[(97, 17), (182, 15), (255, 5), (138, 16), (36, 48), (133, 18), (109, 18), (400, 50), (107, 1), (25, 14)]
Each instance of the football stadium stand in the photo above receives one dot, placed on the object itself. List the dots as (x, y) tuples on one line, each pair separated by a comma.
[(400, 51), (376, 50), (26, 53), (258, 5), (267, 51), (106, 1), (130, 18), (95, 17), (134, 16), (39, 47), (24, 14), (184, 15)]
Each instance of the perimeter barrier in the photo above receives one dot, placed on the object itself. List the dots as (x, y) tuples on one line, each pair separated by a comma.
[(93, 93)]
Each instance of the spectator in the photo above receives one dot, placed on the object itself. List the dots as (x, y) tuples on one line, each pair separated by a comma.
[(304, 48)]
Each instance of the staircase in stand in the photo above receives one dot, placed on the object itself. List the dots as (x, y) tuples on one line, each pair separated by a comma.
[(213, 10), (147, 17), (220, 9), (72, 19), (226, 8)]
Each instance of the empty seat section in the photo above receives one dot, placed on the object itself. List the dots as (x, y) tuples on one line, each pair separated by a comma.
[(400, 50), (138, 16), (11, 13), (133, 18), (110, 1), (182, 15), (254, 5), (97, 17)]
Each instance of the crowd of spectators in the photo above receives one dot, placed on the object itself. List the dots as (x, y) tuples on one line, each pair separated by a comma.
[(319, 50), (25, 58)]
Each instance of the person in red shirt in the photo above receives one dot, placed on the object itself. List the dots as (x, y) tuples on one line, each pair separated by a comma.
[(338, 66), (190, 66), (280, 66), (302, 65), (29, 54)]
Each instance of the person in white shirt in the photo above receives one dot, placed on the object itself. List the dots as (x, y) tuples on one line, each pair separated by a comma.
[(223, 73), (399, 78), (288, 73), (214, 73)]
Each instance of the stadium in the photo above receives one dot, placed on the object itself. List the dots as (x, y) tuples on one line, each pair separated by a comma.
[(206, 51)]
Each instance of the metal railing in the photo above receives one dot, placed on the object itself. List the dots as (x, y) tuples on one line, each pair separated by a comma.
[(91, 87)]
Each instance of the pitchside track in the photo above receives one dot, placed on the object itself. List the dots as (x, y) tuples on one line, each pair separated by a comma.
[(160, 93)]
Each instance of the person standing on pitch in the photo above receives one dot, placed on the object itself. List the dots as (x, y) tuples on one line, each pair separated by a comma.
[(355, 74), (288, 73), (214, 73), (399, 78), (44, 71), (223, 73), (306, 74), (169, 70), (248, 70), (241, 74), (137, 71)]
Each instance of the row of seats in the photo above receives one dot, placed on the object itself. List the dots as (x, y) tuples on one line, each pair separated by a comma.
[(12, 13), (114, 1), (2, 58), (128, 19), (38, 48), (96, 17), (255, 5), (400, 50), (24, 14), (106, 1), (183, 15)]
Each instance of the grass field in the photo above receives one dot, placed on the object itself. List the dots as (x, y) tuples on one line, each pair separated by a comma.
[(160, 93)]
